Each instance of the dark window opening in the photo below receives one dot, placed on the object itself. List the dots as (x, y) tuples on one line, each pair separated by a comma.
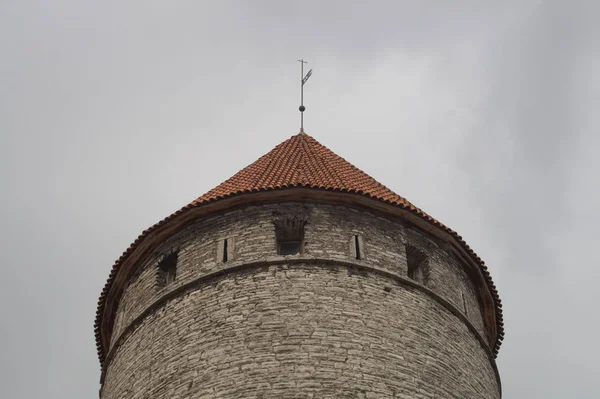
[(290, 248), (357, 248), (167, 269), (224, 250), (289, 233), (418, 265)]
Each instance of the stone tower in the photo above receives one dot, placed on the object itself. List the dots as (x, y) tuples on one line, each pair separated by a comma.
[(299, 277)]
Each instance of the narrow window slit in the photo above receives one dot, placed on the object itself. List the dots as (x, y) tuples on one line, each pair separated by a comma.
[(464, 303), (357, 246), (225, 250)]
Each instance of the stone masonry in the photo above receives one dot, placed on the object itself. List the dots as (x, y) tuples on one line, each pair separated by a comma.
[(321, 324)]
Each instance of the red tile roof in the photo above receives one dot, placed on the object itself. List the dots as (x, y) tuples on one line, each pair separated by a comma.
[(301, 161)]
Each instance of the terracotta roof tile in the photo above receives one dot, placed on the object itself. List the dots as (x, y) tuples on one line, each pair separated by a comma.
[(301, 161)]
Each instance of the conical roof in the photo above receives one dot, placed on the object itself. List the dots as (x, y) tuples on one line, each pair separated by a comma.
[(300, 161)]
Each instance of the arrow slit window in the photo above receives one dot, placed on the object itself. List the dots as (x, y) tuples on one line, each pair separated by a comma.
[(357, 247)]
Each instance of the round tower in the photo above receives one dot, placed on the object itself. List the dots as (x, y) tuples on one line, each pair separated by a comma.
[(299, 277)]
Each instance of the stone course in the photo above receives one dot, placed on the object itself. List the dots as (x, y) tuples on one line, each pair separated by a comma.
[(312, 329)]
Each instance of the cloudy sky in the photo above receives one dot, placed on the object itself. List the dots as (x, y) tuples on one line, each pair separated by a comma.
[(115, 114)]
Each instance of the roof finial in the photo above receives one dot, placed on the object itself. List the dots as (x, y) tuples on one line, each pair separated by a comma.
[(303, 80)]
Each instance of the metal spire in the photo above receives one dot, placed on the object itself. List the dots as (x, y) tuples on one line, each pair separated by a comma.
[(303, 79)]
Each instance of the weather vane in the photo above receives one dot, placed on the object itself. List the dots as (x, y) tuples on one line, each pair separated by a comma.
[(303, 79)]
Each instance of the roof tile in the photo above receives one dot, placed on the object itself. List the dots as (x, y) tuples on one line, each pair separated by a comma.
[(302, 161)]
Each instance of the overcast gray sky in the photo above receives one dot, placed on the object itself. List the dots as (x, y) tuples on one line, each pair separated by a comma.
[(114, 114)]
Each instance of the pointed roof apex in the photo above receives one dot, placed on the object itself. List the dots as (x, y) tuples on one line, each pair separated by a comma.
[(301, 161)]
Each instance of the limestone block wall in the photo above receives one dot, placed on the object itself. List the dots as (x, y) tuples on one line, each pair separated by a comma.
[(315, 326)]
